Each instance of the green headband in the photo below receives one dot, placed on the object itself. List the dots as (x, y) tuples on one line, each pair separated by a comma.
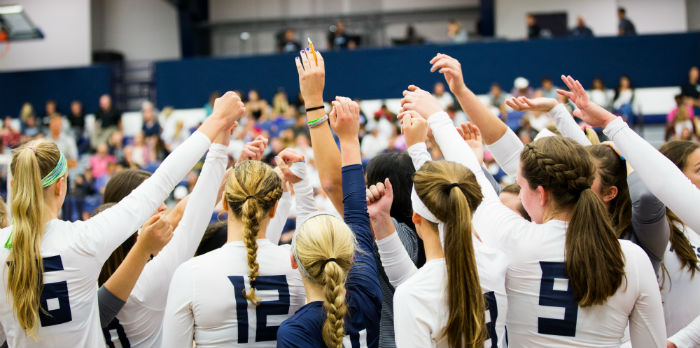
[(58, 172)]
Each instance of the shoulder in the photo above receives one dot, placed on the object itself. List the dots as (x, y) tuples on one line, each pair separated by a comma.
[(634, 254), (292, 334)]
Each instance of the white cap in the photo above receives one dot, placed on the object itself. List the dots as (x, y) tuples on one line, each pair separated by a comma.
[(521, 83), (180, 192)]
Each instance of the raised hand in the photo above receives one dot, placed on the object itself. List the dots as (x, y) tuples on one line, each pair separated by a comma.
[(227, 110), (345, 119), (155, 234), (451, 69), (472, 136), (253, 150), (420, 101), (535, 104), (312, 77), (588, 111), (414, 127), (379, 199), (224, 138), (284, 159)]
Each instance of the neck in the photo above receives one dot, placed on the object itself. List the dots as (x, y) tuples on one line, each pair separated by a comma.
[(235, 228), (432, 245), (556, 214), (314, 291), (51, 207)]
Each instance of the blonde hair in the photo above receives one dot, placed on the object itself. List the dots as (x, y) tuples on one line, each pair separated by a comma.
[(592, 136), (323, 247), (30, 163), (251, 191), (4, 217), (451, 193)]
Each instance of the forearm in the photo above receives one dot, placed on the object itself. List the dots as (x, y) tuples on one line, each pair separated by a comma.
[(492, 128), (567, 126), (396, 262), (689, 336), (506, 151), (276, 225), (124, 278), (419, 155), (303, 194), (350, 152), (327, 159)]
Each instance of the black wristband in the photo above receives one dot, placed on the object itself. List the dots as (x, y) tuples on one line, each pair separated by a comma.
[(315, 108)]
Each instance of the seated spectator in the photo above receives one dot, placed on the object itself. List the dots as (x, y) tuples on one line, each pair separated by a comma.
[(140, 153), (445, 98), (599, 94), (624, 97), (30, 129), (51, 110), (26, 110), (175, 136), (76, 118), (289, 43), (100, 160), (256, 107), (625, 27), (581, 30), (549, 90), (209, 106), (108, 120), (533, 30), (458, 117), (382, 121), (84, 187), (455, 32), (497, 101), (691, 88), (101, 181), (521, 88), (337, 37), (150, 128), (374, 143), (116, 145), (680, 118), (65, 143), (280, 105), (11, 137)]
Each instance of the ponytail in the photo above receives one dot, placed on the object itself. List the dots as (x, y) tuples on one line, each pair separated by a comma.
[(593, 257), (681, 244), (334, 303), (25, 271), (252, 190), (451, 193)]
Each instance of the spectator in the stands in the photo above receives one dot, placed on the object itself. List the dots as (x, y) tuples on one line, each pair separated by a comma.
[(455, 32), (679, 118), (599, 94), (209, 106), (101, 181), (108, 119), (256, 107), (115, 146), (533, 30), (382, 121), (51, 110), (64, 142), (521, 88), (76, 117), (280, 104), (150, 128), (458, 117), (444, 97), (11, 137), (624, 98), (84, 187), (289, 43), (497, 101), (174, 136), (549, 90), (100, 160), (139, 151), (374, 143), (30, 129), (625, 26), (26, 110), (581, 29), (691, 88), (412, 37), (337, 37)]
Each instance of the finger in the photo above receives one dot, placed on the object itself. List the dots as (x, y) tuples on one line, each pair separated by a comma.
[(461, 133), (279, 162), (389, 188), (475, 130), (414, 88), (513, 104), (300, 68), (566, 81), (321, 62), (333, 115), (343, 108), (305, 60), (435, 59), (446, 71), (578, 113), (579, 88), (354, 107), (368, 195), (152, 220), (380, 188), (566, 94), (375, 191)]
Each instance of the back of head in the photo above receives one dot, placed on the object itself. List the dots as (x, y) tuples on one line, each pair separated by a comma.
[(451, 193), (122, 183), (323, 248), (251, 191), (678, 151), (514, 189), (398, 167), (593, 257), (612, 171), (30, 163)]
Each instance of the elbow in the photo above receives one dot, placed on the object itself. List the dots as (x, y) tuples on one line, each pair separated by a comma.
[(332, 186)]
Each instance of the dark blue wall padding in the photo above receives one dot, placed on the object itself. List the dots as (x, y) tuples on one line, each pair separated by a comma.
[(63, 85), (650, 61)]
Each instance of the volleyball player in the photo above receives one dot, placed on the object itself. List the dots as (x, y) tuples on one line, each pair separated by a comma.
[(66, 257)]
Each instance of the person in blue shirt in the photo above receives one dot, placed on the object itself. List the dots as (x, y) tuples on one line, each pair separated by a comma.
[(338, 269)]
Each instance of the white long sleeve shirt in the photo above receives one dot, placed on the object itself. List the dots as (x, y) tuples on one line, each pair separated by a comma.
[(73, 254), (141, 319), (567, 126), (689, 337), (542, 311), (675, 190)]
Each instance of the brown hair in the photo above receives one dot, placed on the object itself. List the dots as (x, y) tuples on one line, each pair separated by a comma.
[(29, 164), (454, 205), (119, 186), (613, 172), (678, 151), (251, 191), (593, 258), (515, 189)]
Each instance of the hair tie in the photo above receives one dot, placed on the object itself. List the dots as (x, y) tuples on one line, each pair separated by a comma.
[(323, 265), (249, 197), (454, 184), (32, 148)]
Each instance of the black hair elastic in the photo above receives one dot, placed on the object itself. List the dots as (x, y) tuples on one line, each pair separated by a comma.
[(323, 265), (249, 197), (315, 108), (454, 184)]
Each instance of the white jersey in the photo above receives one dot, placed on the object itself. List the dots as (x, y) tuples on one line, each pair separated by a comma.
[(542, 311), (422, 294), (140, 322), (206, 300), (73, 254), (679, 291)]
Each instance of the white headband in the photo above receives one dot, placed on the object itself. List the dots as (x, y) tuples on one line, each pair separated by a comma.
[(420, 209)]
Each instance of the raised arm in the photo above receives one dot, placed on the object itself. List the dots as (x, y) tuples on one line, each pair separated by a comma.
[(118, 222), (311, 83), (648, 220), (675, 190), (687, 337), (564, 122), (293, 168)]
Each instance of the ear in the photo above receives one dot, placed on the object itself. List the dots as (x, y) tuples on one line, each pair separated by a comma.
[(416, 219), (610, 193), (58, 187), (294, 261), (543, 195), (272, 211)]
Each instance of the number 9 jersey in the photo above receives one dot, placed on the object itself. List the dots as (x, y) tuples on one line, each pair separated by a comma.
[(206, 301)]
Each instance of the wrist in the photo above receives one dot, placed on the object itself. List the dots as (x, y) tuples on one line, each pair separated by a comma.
[(142, 250), (607, 121), (459, 88), (313, 102)]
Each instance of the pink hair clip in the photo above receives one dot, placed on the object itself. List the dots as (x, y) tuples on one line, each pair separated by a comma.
[(32, 148)]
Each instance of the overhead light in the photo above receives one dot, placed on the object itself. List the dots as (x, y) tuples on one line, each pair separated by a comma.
[(245, 35)]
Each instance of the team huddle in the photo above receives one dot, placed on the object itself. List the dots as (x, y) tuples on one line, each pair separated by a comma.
[(599, 249)]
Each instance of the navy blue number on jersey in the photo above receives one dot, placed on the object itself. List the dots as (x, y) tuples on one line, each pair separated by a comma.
[(55, 294), (262, 310), (121, 334), (549, 296), (492, 312)]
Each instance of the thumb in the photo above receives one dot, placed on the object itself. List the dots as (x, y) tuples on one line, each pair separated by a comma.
[(388, 190), (152, 220), (578, 113)]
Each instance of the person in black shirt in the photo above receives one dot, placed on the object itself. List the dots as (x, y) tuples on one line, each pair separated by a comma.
[(109, 119), (338, 39), (533, 30), (76, 118), (625, 27), (289, 43), (581, 30)]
